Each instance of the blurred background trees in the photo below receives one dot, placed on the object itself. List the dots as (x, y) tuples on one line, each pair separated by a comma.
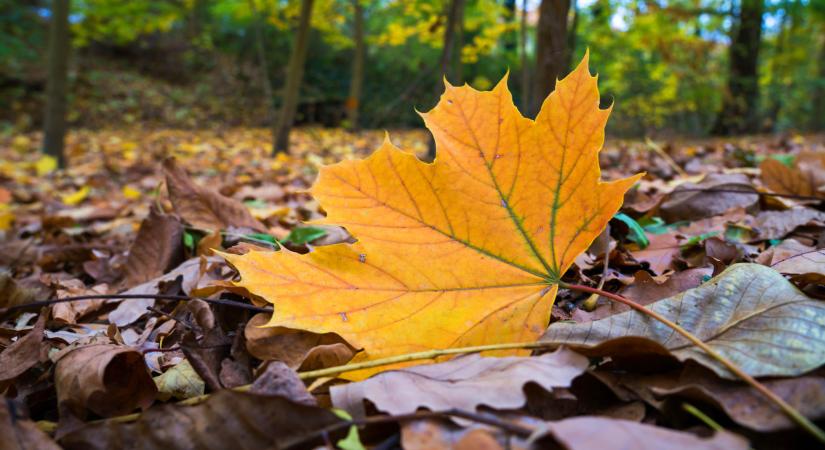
[(687, 67)]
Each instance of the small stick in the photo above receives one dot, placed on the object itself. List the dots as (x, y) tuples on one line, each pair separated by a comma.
[(663, 154), (41, 303)]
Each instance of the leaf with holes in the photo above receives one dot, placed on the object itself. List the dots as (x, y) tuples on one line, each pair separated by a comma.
[(465, 251)]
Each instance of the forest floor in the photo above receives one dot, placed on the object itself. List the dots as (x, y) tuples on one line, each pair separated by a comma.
[(120, 220)]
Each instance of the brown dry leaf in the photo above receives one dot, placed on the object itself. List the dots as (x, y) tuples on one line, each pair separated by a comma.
[(806, 177), (69, 312), (12, 294), (462, 383), (106, 379), (429, 434), (661, 252), (691, 205), (278, 379), (750, 314), (296, 348), (23, 353), (202, 207), (793, 258), (17, 433), (778, 224), (234, 420), (157, 248), (588, 433)]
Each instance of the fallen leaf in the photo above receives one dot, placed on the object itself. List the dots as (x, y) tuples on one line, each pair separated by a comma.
[(21, 434), (278, 379), (12, 294), (805, 178), (432, 434), (296, 348), (750, 314), (157, 248), (179, 382), (464, 251), (684, 204), (236, 420), (106, 379), (778, 224), (587, 433), (76, 197), (462, 383), (203, 207), (69, 312), (24, 353)]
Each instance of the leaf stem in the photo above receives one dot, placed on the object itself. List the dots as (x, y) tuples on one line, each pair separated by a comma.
[(795, 415)]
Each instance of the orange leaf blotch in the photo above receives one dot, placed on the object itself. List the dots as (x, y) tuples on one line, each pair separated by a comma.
[(463, 251)]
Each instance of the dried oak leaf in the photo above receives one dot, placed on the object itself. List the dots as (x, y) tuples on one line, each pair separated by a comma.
[(805, 178), (106, 379), (21, 434), (750, 314), (467, 250), (158, 247), (463, 383)]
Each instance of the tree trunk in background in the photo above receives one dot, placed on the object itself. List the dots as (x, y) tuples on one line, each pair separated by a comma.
[(739, 105), (525, 63), (776, 68), (260, 50), (551, 48), (571, 39), (294, 76), (357, 81), (818, 117), (458, 68), (54, 129), (455, 14)]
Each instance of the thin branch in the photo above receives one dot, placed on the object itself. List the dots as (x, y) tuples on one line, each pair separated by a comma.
[(792, 413), (738, 191), (42, 303)]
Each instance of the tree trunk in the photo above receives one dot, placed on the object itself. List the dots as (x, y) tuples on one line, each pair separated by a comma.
[(260, 50), (776, 69), (525, 64), (571, 39), (295, 74), (739, 104), (54, 129), (551, 48), (357, 81), (817, 121), (455, 15)]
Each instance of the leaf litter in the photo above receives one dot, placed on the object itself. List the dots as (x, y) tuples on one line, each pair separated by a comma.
[(742, 270)]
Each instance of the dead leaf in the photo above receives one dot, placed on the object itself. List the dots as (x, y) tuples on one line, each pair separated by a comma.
[(278, 379), (661, 252), (296, 348), (464, 251), (24, 353), (587, 433), (749, 314), (106, 379), (19, 433), (69, 312), (691, 205), (778, 224), (430, 434), (463, 383), (202, 207), (179, 382), (157, 248), (12, 294), (236, 420), (805, 178)]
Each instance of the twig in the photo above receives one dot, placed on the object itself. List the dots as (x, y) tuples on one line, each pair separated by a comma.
[(795, 415), (590, 303), (41, 303), (738, 191), (704, 418), (511, 428)]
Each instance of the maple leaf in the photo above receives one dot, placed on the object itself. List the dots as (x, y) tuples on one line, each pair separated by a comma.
[(465, 251)]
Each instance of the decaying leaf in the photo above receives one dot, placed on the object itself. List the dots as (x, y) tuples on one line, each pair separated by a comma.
[(749, 314), (806, 177), (23, 353), (106, 379), (685, 203), (158, 247), (19, 433), (586, 433), (443, 435), (179, 382), (467, 250), (203, 207), (463, 383), (777, 224), (233, 420)]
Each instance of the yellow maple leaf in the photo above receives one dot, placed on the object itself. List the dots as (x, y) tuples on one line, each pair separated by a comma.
[(76, 197), (465, 251)]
